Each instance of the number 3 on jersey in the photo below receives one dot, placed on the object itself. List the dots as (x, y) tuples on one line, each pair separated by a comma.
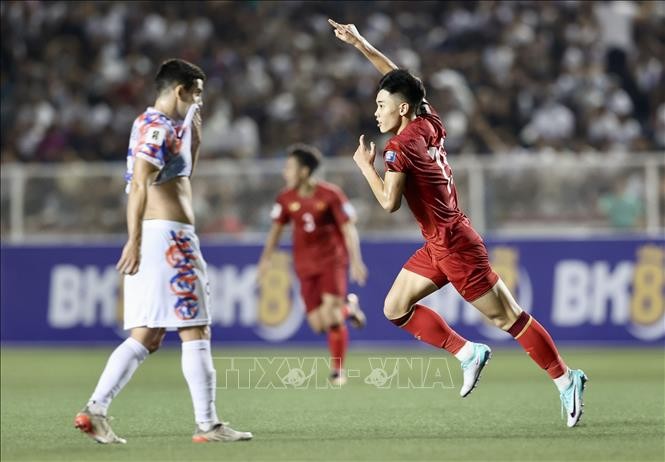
[(438, 154), (309, 225)]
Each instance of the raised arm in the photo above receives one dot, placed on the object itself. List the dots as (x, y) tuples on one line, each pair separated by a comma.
[(348, 33)]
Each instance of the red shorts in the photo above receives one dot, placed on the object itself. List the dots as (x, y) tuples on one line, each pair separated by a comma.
[(331, 281), (467, 269)]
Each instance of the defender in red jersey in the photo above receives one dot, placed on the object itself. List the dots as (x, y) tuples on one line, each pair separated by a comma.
[(417, 168), (325, 241)]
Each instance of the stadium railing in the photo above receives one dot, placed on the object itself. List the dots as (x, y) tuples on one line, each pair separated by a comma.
[(506, 195)]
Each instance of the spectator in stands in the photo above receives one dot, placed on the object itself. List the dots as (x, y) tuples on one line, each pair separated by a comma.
[(523, 63)]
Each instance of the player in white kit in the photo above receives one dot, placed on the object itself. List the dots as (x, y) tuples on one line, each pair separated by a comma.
[(165, 286)]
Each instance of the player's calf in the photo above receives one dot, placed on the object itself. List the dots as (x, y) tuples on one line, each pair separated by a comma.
[(338, 341)]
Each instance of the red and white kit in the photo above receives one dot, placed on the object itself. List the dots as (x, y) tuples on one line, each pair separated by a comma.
[(453, 251)]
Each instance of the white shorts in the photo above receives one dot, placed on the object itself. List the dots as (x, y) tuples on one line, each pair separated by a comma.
[(171, 288)]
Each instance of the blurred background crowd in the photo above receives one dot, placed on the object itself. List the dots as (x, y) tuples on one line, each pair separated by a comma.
[(536, 78), (506, 76)]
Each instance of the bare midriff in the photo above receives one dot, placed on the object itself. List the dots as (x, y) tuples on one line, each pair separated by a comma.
[(170, 201)]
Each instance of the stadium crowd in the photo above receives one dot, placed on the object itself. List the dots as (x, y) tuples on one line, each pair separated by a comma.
[(506, 76)]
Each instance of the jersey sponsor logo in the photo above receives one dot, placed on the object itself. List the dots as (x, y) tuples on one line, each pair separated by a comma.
[(582, 297), (294, 206), (598, 293), (390, 156), (156, 136)]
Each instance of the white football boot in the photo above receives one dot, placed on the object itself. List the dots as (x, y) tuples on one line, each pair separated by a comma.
[(473, 367), (97, 427), (220, 433), (572, 398), (338, 378), (356, 317)]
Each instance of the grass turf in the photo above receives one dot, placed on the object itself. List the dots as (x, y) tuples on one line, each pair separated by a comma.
[(513, 415)]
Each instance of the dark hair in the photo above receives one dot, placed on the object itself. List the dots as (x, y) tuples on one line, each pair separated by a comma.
[(177, 71), (406, 84), (306, 155)]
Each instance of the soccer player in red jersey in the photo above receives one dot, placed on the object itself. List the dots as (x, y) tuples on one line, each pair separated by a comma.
[(325, 241), (417, 168)]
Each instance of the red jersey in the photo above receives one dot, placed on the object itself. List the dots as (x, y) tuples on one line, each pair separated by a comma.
[(429, 189), (318, 241)]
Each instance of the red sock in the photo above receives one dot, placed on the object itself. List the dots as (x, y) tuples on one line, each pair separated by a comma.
[(538, 344), (427, 326), (338, 340)]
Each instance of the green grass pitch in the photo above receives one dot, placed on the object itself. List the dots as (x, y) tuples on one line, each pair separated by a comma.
[(513, 414)]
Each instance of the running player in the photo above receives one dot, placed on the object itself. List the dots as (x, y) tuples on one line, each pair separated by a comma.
[(325, 241), (165, 286), (416, 167)]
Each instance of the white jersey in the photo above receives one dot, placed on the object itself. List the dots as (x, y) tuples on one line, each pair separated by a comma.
[(162, 141)]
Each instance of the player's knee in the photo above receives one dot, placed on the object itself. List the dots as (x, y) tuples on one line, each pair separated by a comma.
[(332, 304), (153, 347), (501, 320), (330, 312), (328, 323), (394, 308), (316, 325), (317, 328), (333, 327), (188, 334), (337, 312), (205, 333), (156, 342)]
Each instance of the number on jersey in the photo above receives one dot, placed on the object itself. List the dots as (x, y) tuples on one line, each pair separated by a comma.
[(309, 226), (439, 155)]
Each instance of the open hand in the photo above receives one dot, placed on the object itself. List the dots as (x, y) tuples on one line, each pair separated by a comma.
[(130, 258), (358, 272)]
